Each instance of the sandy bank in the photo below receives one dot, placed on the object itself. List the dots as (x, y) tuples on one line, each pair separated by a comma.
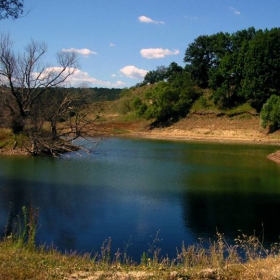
[(192, 128), (204, 129)]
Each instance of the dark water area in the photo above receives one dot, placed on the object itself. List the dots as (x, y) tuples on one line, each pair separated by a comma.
[(130, 189)]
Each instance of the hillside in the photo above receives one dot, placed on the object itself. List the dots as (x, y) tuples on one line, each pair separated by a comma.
[(203, 123)]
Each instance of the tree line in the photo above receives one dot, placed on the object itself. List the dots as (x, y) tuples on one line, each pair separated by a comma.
[(242, 67), (239, 67)]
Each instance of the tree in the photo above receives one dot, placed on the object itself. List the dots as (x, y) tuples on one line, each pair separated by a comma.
[(32, 96), (61, 113), (169, 101), (262, 67), (225, 79), (27, 78), (217, 61), (270, 113), (200, 58), (11, 8), (156, 76), (173, 71)]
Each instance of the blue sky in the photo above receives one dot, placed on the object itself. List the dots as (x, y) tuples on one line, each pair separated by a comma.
[(118, 41)]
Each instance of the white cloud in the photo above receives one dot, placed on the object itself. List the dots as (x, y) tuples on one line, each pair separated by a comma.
[(157, 53), (80, 77), (85, 52), (133, 72), (236, 12), (149, 20), (50, 73), (112, 45)]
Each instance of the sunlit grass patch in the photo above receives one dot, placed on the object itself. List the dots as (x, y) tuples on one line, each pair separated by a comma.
[(6, 138)]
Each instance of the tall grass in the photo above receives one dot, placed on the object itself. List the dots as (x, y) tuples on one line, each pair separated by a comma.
[(247, 258), (23, 232)]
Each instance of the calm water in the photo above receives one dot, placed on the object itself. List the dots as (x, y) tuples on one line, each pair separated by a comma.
[(133, 188)]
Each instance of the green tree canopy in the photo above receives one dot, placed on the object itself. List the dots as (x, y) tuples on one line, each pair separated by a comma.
[(262, 67), (156, 76), (169, 101), (239, 67), (270, 113)]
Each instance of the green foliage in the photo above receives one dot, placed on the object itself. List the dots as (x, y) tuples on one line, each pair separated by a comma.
[(239, 67), (136, 103), (125, 105), (170, 101), (262, 64), (199, 56), (164, 102), (24, 232), (156, 76), (270, 113)]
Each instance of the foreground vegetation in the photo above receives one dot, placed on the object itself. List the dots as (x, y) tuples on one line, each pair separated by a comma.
[(20, 259), (219, 261)]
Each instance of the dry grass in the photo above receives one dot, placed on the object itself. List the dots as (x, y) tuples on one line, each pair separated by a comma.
[(12, 144), (216, 260)]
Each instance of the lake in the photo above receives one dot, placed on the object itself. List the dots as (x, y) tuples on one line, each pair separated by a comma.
[(130, 189)]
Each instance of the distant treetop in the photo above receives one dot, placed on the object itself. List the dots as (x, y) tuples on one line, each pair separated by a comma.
[(11, 8)]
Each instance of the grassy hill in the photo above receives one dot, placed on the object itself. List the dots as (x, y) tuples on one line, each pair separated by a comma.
[(205, 121)]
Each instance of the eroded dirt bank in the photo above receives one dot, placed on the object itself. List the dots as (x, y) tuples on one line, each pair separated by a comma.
[(196, 127), (239, 129)]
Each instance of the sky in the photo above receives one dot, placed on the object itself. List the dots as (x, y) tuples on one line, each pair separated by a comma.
[(118, 41)]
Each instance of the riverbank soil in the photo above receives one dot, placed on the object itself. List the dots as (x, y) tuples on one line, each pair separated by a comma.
[(199, 126), (242, 128)]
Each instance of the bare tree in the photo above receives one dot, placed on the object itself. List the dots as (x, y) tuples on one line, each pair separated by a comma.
[(32, 96), (65, 113)]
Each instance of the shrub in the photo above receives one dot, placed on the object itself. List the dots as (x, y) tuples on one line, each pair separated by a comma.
[(270, 113)]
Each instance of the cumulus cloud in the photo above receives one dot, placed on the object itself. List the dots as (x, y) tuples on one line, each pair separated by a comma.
[(50, 73), (157, 53), (85, 52), (236, 12), (133, 72), (80, 77), (149, 20)]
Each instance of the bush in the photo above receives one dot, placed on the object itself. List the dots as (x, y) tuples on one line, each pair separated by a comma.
[(270, 113)]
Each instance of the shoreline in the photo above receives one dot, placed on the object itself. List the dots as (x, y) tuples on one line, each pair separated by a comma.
[(199, 135), (231, 135), (193, 137), (275, 157)]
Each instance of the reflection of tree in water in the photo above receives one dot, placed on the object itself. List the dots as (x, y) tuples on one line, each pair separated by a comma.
[(205, 213)]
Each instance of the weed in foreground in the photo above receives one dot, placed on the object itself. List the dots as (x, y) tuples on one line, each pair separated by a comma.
[(247, 258)]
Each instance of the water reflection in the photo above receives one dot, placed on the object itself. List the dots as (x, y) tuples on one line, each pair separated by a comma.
[(137, 187), (232, 214)]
